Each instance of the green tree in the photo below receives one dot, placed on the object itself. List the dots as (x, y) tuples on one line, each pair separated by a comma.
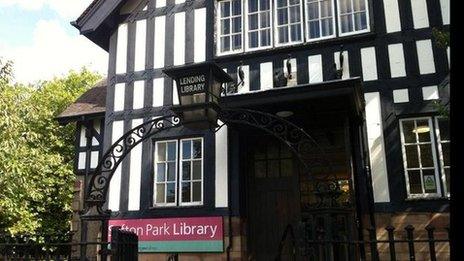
[(36, 154)]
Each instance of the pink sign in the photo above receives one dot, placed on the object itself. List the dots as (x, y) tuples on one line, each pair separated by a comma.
[(175, 234)]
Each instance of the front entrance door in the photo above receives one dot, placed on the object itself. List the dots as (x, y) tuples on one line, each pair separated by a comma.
[(273, 196)]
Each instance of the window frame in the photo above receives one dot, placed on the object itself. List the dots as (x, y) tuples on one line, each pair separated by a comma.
[(181, 160), (218, 22), (334, 23), (433, 145), (155, 169), (246, 31), (446, 191), (368, 20), (288, 25)]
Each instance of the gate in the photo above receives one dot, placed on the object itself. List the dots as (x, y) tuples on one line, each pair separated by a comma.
[(124, 245)]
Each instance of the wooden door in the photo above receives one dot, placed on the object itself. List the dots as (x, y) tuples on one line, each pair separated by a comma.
[(273, 200)]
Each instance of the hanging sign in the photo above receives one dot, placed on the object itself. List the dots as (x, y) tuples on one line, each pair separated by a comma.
[(197, 234)]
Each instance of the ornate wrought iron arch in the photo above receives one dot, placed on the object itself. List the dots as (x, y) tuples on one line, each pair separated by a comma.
[(298, 140)]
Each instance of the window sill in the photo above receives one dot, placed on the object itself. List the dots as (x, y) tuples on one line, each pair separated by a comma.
[(176, 207), (436, 198), (296, 46)]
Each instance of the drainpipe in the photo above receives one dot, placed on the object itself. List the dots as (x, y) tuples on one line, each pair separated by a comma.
[(229, 186)]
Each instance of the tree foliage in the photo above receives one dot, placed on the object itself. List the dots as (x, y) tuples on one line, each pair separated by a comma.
[(36, 154)]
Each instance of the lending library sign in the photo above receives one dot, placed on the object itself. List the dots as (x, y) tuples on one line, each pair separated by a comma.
[(197, 234)]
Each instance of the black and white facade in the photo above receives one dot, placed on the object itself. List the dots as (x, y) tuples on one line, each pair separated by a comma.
[(387, 43)]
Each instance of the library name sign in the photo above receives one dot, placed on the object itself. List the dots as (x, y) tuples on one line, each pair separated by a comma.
[(197, 234), (192, 84)]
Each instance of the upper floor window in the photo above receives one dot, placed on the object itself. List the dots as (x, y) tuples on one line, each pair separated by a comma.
[(421, 140), (269, 23), (259, 26), (230, 21), (178, 176)]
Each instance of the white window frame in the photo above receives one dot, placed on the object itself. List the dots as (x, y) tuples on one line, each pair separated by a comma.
[(246, 31), (288, 25), (155, 204), (434, 156), (440, 153), (218, 21), (181, 160), (339, 28), (334, 25)]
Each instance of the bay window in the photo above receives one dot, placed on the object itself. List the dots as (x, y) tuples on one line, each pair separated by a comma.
[(421, 139), (288, 22), (352, 16), (248, 25), (320, 19), (230, 21), (178, 179), (259, 26)]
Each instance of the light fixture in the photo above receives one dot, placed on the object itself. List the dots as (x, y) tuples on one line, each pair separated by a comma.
[(284, 114), (421, 129), (199, 87)]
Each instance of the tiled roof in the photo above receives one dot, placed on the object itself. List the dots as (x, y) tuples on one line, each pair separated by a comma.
[(92, 101)]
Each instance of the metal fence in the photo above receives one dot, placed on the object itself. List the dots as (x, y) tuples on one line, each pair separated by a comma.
[(403, 246)]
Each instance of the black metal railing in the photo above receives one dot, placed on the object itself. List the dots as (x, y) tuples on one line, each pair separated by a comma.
[(402, 247)]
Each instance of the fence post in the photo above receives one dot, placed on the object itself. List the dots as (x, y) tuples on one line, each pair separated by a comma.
[(391, 242), (115, 241), (430, 229), (409, 230), (373, 243)]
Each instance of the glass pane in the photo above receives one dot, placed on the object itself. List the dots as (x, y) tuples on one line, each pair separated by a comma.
[(225, 44), (430, 183), (408, 132), (253, 40), (447, 176), (171, 193), (160, 193), (426, 155), (294, 2), (445, 150), (282, 17), (160, 172), (253, 22), (264, 5), (186, 149), (172, 151), (161, 151), (345, 6), (295, 14), (186, 192), (286, 168), (265, 20), (273, 150), (252, 6), (359, 5), (326, 8), (236, 25), (444, 129), (285, 151), (237, 42), (281, 3), (225, 9), (260, 169), (197, 169), (415, 186), (360, 21), (295, 32), (347, 23), (225, 26), (283, 34), (313, 11), (236, 7), (314, 29), (186, 170), (196, 191), (326, 27), (412, 158), (171, 171), (196, 149), (423, 130), (265, 37), (273, 170)]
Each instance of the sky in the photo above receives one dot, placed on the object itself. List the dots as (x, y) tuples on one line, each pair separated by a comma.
[(38, 37)]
